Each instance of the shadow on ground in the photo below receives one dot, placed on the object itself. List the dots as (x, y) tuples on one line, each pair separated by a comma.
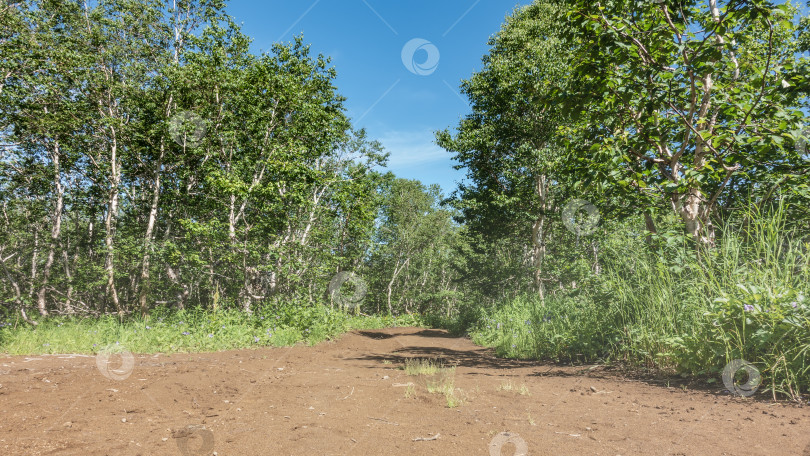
[(485, 358), (423, 333)]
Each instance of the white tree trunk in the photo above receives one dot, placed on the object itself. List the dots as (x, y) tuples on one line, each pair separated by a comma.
[(109, 225), (56, 229), (148, 239)]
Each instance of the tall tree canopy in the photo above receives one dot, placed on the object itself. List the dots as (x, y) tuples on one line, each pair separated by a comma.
[(148, 158), (692, 103)]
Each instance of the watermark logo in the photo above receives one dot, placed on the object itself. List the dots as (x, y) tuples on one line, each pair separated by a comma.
[(413, 62), (194, 440), (572, 219), (731, 380), (187, 129), (337, 291), (803, 142), (107, 357), (504, 438)]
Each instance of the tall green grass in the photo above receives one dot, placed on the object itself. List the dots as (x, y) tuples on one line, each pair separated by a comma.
[(190, 330), (674, 308)]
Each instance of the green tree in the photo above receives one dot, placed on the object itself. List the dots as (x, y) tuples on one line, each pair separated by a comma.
[(410, 260), (149, 157), (518, 174), (690, 103)]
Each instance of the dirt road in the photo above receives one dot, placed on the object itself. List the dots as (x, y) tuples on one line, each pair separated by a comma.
[(352, 397)]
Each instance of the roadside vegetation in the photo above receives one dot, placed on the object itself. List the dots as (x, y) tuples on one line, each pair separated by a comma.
[(669, 310), (637, 189), (191, 330)]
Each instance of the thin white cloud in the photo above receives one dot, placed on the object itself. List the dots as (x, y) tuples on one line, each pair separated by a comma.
[(412, 148)]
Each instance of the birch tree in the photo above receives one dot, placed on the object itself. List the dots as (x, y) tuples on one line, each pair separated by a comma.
[(509, 145), (688, 102)]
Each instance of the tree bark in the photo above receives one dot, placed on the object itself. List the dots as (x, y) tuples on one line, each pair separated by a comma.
[(148, 239), (56, 229), (650, 225), (539, 234), (109, 226), (68, 307), (397, 270), (182, 297), (17, 293), (34, 261)]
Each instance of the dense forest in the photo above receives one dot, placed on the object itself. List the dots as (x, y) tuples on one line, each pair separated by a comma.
[(151, 160), (636, 185)]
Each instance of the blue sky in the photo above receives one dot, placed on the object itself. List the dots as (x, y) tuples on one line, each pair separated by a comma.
[(399, 63)]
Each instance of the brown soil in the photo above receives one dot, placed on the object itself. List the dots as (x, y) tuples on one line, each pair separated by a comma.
[(351, 397)]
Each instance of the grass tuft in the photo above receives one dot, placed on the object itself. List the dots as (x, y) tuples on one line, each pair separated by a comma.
[(509, 386), (423, 366)]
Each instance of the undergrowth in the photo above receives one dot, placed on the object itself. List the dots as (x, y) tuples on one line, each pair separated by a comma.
[(668, 307), (190, 330)]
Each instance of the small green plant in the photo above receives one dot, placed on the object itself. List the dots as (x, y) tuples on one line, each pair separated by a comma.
[(440, 384), (509, 386), (451, 399), (410, 391), (423, 366), (442, 381)]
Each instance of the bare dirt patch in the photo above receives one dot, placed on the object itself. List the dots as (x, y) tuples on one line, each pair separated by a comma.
[(352, 397)]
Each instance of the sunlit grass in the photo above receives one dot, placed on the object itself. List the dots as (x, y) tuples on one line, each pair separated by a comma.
[(670, 309), (438, 378), (189, 331), (423, 366), (443, 382), (410, 391), (511, 387)]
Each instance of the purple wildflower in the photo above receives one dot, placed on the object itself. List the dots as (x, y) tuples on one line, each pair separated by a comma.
[(748, 307)]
